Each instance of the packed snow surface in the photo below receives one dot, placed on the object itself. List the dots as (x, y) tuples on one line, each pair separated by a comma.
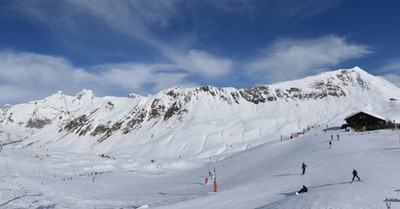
[(265, 176)]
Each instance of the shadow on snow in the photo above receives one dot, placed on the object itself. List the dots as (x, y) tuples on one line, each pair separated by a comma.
[(47, 207), (22, 196), (286, 174), (392, 200), (332, 184)]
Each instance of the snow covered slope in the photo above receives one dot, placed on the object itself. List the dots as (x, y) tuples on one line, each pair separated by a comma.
[(263, 177), (197, 122), (87, 152)]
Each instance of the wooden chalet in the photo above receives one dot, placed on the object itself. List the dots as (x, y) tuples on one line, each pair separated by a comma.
[(363, 121)]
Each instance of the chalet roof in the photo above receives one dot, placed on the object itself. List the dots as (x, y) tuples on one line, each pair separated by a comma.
[(368, 113)]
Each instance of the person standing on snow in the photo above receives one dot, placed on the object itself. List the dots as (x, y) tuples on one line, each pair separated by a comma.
[(337, 136), (330, 145), (302, 190), (331, 137), (213, 175), (303, 167), (355, 175)]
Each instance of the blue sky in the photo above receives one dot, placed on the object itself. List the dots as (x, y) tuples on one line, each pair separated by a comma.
[(119, 47)]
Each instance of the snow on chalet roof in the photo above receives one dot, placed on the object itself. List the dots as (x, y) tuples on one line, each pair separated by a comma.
[(366, 112)]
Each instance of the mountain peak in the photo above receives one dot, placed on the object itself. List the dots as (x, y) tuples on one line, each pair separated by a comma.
[(84, 94), (85, 97)]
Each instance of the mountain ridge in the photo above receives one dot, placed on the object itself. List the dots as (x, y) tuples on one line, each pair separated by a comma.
[(111, 124)]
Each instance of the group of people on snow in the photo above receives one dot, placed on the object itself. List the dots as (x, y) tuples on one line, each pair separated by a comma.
[(305, 189), (337, 137), (330, 142)]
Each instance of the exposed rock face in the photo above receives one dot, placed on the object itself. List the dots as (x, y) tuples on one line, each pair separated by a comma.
[(37, 123), (333, 86)]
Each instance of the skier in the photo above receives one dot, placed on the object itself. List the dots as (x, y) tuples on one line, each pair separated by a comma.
[(213, 175), (304, 166), (355, 175), (302, 190), (330, 145), (331, 137), (337, 136)]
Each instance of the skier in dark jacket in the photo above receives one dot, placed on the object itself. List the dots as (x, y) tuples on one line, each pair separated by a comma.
[(302, 190), (303, 167), (355, 175)]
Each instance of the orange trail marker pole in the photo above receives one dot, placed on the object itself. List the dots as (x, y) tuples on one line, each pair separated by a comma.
[(215, 185)]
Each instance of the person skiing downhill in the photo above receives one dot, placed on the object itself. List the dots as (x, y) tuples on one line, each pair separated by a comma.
[(330, 145), (303, 167), (355, 175), (302, 190)]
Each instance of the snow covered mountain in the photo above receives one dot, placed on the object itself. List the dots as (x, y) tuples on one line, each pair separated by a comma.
[(88, 152), (197, 122)]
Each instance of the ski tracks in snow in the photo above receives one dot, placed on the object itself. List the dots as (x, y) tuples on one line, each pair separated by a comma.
[(14, 194)]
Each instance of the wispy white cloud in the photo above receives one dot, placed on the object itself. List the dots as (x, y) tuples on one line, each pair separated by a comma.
[(136, 76), (181, 61), (391, 66), (288, 11), (304, 9), (133, 19), (203, 63), (293, 58), (393, 78), (126, 17), (28, 76), (24, 76), (391, 71)]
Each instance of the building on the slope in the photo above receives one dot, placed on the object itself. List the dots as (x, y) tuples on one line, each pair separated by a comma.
[(363, 121)]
